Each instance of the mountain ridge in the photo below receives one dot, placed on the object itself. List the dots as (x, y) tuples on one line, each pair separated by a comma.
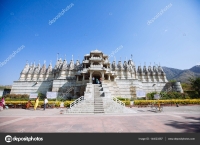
[(182, 75)]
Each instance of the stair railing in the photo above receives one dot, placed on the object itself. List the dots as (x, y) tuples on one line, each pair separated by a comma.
[(118, 101), (75, 102)]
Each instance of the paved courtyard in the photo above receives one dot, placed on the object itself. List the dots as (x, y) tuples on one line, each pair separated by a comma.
[(182, 119)]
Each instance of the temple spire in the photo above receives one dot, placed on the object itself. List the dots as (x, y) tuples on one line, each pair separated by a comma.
[(57, 56), (39, 64)]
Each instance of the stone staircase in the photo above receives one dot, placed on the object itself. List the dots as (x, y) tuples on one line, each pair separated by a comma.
[(98, 100), (83, 106)]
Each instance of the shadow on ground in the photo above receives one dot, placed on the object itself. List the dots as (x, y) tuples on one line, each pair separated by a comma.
[(189, 126)]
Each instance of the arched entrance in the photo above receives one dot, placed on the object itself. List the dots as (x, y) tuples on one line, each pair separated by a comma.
[(96, 76)]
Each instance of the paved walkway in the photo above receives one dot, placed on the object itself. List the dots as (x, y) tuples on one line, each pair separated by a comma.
[(171, 120)]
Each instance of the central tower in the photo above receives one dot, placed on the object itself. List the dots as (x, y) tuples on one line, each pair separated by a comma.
[(95, 65)]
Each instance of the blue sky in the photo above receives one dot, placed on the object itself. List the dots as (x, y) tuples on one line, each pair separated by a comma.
[(172, 39)]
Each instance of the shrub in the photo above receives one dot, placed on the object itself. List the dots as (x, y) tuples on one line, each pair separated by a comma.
[(41, 96), (127, 102), (17, 97), (56, 103), (150, 96), (168, 95), (172, 101), (122, 99)]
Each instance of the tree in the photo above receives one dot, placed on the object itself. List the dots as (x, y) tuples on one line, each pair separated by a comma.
[(186, 87), (195, 83), (41, 96), (172, 82)]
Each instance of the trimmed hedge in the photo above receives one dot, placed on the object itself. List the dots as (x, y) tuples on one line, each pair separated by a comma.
[(127, 102), (57, 103), (173, 101), (17, 97), (122, 99)]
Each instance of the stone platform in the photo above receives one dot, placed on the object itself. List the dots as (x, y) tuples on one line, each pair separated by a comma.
[(183, 119)]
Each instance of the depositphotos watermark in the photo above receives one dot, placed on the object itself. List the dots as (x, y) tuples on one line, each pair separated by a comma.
[(116, 50), (12, 55), (61, 13), (9, 138), (160, 13)]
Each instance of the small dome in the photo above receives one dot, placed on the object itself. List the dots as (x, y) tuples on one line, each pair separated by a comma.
[(96, 51)]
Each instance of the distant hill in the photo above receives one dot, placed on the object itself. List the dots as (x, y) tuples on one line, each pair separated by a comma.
[(5, 87), (196, 69), (181, 75)]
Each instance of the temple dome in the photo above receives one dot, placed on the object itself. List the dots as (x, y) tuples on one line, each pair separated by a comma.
[(96, 51)]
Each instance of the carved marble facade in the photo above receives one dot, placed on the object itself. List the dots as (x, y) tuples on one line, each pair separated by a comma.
[(76, 75)]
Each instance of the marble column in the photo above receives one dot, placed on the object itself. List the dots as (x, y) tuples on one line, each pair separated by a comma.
[(83, 77), (91, 76), (103, 76)]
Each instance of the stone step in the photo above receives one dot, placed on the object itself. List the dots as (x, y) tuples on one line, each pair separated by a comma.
[(100, 108), (98, 89), (99, 112), (98, 103)]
